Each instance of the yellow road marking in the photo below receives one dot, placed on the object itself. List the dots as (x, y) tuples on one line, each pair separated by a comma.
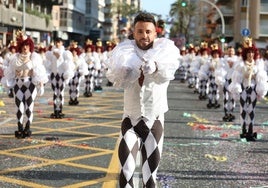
[(21, 182), (113, 169)]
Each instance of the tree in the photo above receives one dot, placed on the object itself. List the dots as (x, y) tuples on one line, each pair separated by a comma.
[(182, 13), (124, 13), (123, 10)]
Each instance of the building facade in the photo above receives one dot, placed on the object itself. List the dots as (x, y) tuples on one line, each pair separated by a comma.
[(69, 19), (13, 18), (238, 15)]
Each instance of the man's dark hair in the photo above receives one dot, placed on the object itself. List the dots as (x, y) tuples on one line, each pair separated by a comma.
[(144, 17), (58, 39)]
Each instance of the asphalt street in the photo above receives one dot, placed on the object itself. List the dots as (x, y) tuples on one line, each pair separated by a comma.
[(80, 150)]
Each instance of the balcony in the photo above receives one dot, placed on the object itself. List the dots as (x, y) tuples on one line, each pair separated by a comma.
[(13, 17)]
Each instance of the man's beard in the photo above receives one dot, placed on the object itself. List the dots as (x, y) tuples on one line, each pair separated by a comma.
[(144, 47)]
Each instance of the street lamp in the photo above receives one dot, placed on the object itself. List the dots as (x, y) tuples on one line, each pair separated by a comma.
[(183, 3), (222, 39)]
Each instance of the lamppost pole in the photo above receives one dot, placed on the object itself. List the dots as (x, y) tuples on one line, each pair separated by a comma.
[(221, 15), (23, 17)]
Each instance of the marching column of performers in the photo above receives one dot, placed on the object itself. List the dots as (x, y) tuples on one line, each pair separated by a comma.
[(239, 75), (26, 68), (26, 75)]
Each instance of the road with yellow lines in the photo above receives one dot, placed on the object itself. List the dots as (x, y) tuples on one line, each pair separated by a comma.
[(76, 151), (80, 150)]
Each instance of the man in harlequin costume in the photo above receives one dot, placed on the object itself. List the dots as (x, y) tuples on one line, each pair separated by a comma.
[(249, 83), (90, 57), (99, 68), (61, 69), (80, 70), (224, 79), (207, 72), (12, 52), (191, 57), (143, 67), (109, 47), (42, 51), (239, 53), (27, 75), (182, 69), (202, 59)]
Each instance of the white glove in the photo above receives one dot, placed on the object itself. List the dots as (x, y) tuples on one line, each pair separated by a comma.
[(149, 67), (41, 91)]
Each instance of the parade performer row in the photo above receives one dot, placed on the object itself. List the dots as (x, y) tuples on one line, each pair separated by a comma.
[(239, 77), (12, 51), (249, 84), (26, 74), (80, 71), (223, 79), (60, 69)]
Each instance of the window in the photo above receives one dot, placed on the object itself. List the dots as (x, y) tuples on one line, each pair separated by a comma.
[(244, 3)]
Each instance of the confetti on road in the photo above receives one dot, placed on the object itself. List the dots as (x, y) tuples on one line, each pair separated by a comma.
[(192, 144), (2, 103), (217, 158), (165, 180), (2, 112)]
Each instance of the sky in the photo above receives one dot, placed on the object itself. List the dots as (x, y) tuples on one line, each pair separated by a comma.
[(161, 7)]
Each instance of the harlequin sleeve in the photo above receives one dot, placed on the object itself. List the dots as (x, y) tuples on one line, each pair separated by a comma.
[(49, 56), (123, 65), (83, 68), (203, 72), (261, 81), (68, 66), (220, 75), (39, 70), (194, 67), (9, 75), (166, 56), (237, 78)]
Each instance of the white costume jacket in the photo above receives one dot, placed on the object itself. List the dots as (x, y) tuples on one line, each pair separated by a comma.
[(197, 63), (249, 76), (80, 66), (63, 65), (92, 60), (124, 69), (15, 68), (209, 68), (225, 71)]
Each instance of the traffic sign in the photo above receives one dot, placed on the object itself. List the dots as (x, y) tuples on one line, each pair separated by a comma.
[(245, 32)]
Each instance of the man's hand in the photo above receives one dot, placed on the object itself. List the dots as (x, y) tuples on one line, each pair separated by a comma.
[(149, 67), (56, 53)]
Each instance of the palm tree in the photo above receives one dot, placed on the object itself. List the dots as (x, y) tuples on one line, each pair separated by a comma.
[(124, 11), (182, 16)]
